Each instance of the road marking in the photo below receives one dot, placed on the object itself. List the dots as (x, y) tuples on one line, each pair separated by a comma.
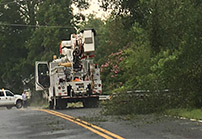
[(184, 118), (84, 124)]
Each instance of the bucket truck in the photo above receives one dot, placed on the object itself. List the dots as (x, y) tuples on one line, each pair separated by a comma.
[(73, 77)]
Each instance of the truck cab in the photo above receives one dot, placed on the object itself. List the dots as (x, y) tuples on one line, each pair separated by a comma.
[(9, 100)]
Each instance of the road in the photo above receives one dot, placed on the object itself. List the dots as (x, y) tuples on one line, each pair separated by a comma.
[(67, 124)]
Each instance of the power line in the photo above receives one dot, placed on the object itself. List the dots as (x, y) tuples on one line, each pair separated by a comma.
[(35, 26), (4, 3), (7, 3)]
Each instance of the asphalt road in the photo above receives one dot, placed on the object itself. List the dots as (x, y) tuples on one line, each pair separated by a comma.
[(29, 123)]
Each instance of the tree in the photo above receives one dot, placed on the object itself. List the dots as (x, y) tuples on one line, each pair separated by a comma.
[(12, 50), (57, 16), (134, 10), (22, 42)]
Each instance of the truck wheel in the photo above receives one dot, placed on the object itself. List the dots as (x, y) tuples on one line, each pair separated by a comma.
[(91, 103), (88, 103), (95, 104), (64, 106), (19, 104), (61, 105), (9, 107), (50, 104)]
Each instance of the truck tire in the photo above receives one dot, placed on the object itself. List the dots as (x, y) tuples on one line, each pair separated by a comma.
[(51, 104), (19, 104), (61, 104), (90, 103), (95, 103), (86, 104)]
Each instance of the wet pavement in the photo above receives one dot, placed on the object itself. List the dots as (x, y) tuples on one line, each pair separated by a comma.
[(142, 126), (28, 123)]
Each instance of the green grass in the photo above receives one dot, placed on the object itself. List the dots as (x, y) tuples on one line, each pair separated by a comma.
[(187, 113)]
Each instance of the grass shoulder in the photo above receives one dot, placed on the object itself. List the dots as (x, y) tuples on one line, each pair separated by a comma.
[(187, 113)]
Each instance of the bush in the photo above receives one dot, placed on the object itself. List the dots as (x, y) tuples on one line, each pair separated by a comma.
[(145, 103)]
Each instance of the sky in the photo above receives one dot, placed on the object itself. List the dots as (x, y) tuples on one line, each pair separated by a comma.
[(93, 9)]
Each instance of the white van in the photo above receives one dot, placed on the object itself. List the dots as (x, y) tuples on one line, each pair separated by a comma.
[(9, 100)]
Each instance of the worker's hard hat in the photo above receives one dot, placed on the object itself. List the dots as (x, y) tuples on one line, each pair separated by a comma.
[(54, 57)]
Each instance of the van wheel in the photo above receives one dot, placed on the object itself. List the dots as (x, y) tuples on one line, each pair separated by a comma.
[(19, 104), (9, 107)]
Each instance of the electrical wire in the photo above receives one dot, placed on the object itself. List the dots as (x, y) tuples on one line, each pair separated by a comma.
[(35, 26), (5, 3)]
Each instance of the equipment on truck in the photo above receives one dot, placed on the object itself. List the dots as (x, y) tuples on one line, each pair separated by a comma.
[(73, 77)]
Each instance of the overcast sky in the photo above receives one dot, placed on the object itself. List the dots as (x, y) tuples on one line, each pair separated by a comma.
[(94, 9)]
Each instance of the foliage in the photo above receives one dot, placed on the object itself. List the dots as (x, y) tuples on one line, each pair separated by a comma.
[(161, 54), (23, 40), (146, 102), (12, 50), (133, 10), (81, 4), (144, 45), (108, 47), (112, 71)]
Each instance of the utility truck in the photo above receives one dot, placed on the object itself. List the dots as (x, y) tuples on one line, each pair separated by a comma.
[(73, 77)]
